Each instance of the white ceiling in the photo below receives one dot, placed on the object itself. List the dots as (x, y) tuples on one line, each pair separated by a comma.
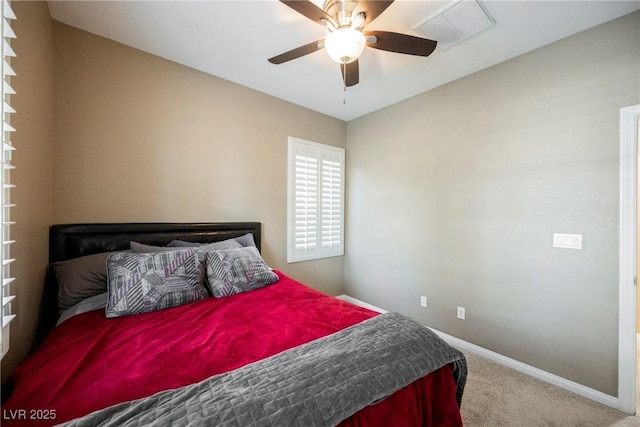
[(232, 39)]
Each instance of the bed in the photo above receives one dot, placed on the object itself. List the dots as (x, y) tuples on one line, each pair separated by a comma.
[(241, 353)]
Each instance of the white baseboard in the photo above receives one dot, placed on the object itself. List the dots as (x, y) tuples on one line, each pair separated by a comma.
[(556, 380), (359, 303), (550, 378)]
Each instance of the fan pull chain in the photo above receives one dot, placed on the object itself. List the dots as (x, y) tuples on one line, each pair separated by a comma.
[(344, 83)]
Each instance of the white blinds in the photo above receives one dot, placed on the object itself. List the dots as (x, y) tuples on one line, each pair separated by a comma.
[(306, 201), (331, 218), (7, 166), (315, 201)]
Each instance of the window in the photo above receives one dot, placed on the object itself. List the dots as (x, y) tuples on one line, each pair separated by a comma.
[(315, 202), (5, 199)]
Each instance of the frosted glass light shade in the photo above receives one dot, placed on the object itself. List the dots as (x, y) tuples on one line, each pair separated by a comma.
[(345, 45)]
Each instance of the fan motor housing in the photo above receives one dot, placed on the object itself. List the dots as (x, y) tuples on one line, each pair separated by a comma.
[(340, 10)]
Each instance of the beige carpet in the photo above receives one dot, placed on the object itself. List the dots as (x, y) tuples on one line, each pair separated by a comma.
[(497, 396)]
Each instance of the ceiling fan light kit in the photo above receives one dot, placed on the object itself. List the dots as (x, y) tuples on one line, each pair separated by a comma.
[(345, 45), (346, 39)]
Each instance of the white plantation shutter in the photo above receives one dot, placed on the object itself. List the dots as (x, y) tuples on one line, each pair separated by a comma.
[(331, 187), (315, 219), (305, 205), (7, 150)]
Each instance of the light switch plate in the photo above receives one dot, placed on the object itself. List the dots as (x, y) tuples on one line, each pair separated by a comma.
[(567, 241)]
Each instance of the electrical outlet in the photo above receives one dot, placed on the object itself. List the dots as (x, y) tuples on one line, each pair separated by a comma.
[(461, 313), (423, 301)]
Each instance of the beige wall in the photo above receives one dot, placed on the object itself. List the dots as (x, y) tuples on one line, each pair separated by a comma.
[(468, 186), (139, 138), (33, 123)]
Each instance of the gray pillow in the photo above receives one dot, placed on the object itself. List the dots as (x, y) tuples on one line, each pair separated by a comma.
[(185, 244), (140, 283), (231, 272), (80, 278), (225, 244), (244, 240), (141, 248)]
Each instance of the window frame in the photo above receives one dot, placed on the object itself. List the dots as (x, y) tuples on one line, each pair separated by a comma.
[(329, 154), (6, 222)]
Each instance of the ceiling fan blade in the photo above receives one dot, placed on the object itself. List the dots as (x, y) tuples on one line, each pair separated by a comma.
[(310, 10), (350, 73), (401, 43), (297, 52), (372, 8)]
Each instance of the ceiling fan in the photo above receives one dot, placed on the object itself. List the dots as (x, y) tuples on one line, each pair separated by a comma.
[(346, 39)]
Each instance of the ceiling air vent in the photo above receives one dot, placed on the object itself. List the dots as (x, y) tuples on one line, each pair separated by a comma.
[(455, 23)]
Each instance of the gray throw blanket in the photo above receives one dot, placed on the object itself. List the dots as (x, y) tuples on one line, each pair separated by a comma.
[(316, 384)]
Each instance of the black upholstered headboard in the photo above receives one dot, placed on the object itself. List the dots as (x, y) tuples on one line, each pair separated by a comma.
[(68, 241), (73, 240)]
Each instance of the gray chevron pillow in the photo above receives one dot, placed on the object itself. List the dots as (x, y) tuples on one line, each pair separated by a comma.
[(140, 283), (231, 272)]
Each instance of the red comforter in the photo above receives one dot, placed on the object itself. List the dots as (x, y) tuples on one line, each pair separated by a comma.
[(90, 362)]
